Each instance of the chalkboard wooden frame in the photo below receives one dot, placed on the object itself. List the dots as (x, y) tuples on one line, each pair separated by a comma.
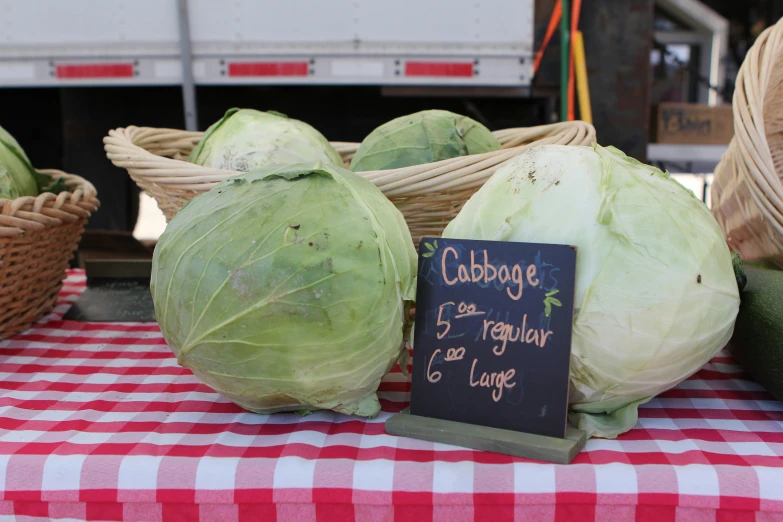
[(515, 443), (456, 409)]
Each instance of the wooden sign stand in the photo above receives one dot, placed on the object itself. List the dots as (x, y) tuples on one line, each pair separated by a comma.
[(518, 444)]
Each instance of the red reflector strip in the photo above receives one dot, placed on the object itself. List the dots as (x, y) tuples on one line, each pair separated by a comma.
[(268, 69), (438, 69), (96, 70)]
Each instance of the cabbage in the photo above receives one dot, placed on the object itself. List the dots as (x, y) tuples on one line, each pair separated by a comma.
[(246, 139), (423, 137), (18, 178), (17, 175), (287, 289), (656, 296)]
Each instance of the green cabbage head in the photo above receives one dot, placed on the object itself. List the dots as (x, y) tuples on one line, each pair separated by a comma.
[(288, 289), (17, 175), (656, 296), (246, 139), (422, 137)]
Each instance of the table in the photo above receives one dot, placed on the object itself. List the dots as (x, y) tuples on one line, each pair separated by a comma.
[(98, 422)]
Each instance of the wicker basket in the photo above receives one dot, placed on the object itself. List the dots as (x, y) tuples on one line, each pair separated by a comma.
[(747, 193), (429, 195), (38, 236)]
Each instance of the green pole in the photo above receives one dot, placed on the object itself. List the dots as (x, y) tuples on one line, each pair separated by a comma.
[(565, 53)]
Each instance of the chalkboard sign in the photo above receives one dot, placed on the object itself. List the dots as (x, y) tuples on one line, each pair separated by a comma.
[(117, 291), (492, 340)]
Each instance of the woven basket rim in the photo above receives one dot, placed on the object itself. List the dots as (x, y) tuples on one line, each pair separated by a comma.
[(747, 191), (47, 210), (127, 147)]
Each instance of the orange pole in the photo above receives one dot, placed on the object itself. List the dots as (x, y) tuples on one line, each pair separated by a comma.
[(557, 12)]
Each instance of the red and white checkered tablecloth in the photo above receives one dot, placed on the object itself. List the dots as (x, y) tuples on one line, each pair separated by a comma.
[(98, 422)]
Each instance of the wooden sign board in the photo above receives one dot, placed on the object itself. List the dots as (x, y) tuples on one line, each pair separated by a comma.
[(693, 124), (117, 291), (492, 340)]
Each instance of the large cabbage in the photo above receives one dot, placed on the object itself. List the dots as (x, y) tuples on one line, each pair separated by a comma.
[(246, 139), (656, 296), (422, 137), (287, 289), (17, 175)]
